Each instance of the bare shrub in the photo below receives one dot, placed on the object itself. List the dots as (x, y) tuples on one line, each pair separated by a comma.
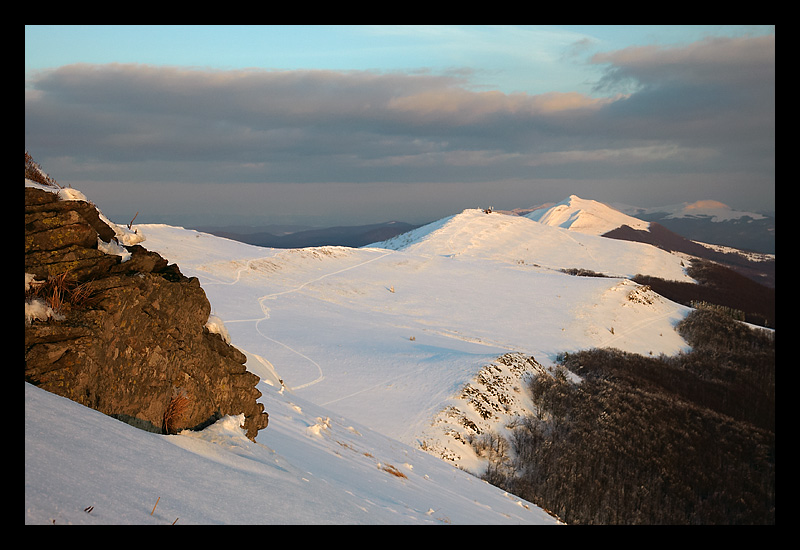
[(35, 173)]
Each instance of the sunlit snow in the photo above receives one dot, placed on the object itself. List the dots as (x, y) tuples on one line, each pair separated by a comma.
[(358, 350)]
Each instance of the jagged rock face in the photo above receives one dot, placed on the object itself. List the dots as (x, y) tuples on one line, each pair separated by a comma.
[(139, 342)]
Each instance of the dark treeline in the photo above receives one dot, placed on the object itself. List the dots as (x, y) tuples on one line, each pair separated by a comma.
[(721, 286), (677, 440)]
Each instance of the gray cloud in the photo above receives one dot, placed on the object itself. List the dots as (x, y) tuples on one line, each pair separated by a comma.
[(703, 113), (709, 88)]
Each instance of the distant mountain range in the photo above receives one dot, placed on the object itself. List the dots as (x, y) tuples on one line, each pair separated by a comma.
[(714, 223), (278, 237), (710, 222), (592, 217), (706, 229)]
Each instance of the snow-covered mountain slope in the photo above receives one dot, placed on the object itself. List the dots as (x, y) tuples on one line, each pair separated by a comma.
[(85, 468), (385, 336), (595, 218), (522, 240), (585, 216), (359, 352)]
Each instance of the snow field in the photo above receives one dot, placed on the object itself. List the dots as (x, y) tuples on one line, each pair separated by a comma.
[(385, 336), (359, 351)]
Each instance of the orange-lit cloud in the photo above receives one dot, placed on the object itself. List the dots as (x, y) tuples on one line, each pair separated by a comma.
[(463, 106), (698, 119)]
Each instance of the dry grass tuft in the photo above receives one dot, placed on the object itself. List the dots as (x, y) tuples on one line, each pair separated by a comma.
[(61, 292), (392, 470), (176, 408)]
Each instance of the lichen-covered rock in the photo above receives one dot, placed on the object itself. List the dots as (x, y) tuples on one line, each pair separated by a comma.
[(136, 345)]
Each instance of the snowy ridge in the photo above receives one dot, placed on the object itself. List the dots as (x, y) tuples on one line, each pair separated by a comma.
[(585, 216), (366, 356), (522, 240)]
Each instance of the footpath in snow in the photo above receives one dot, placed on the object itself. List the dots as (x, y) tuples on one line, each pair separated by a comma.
[(358, 351)]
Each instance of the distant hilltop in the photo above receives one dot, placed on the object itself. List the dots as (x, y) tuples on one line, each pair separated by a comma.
[(706, 221)]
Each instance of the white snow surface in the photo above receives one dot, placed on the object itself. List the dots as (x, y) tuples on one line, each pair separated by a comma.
[(585, 216), (358, 351)]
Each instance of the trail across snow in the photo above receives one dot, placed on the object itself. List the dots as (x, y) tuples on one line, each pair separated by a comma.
[(358, 351), (262, 301), (388, 333)]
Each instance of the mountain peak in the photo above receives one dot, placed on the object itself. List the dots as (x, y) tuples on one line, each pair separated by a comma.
[(715, 210), (585, 216), (707, 205)]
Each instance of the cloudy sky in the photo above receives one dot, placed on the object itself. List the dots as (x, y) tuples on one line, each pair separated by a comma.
[(341, 125)]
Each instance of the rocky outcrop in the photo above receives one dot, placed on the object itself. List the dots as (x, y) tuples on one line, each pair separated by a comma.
[(489, 404), (129, 338)]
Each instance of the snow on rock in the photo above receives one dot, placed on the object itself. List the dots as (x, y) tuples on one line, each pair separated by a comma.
[(36, 309), (124, 235), (215, 325), (113, 248), (491, 403)]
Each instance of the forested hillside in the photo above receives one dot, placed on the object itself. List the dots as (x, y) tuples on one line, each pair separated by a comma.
[(719, 285), (688, 439)]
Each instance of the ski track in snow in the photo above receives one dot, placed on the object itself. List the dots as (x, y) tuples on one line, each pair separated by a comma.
[(584, 247), (634, 328), (274, 295)]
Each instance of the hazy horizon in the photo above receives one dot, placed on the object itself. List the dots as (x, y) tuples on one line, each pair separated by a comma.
[(350, 125)]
